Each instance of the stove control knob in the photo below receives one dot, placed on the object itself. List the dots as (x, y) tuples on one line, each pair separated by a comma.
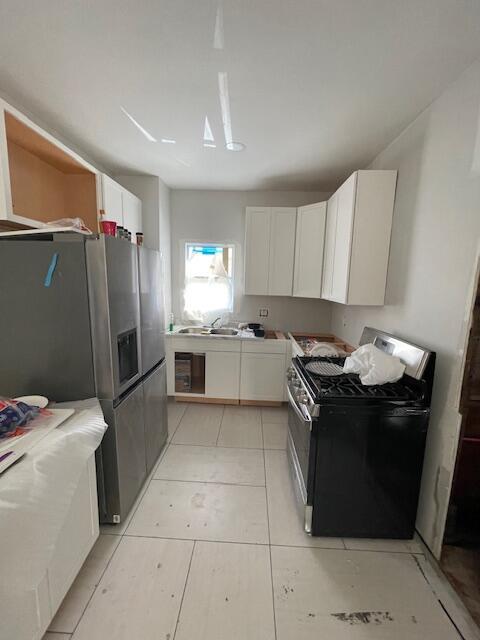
[(303, 398)]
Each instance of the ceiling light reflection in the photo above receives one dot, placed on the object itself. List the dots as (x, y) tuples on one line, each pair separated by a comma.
[(207, 131), (230, 143), (139, 126), (184, 162), (225, 105), (218, 41)]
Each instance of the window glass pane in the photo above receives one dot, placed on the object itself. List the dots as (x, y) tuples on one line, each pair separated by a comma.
[(208, 280)]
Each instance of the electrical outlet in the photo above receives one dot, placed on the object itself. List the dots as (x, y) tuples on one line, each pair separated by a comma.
[(263, 313)]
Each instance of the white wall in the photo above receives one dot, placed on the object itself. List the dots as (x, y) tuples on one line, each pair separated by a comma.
[(164, 195), (219, 216), (155, 197), (433, 256)]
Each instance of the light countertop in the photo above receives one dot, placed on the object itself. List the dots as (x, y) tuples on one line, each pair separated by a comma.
[(243, 334)]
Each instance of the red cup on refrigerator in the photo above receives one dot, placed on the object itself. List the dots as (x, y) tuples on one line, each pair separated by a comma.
[(109, 228)]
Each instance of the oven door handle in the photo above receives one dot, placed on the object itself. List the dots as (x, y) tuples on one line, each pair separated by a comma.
[(299, 410)]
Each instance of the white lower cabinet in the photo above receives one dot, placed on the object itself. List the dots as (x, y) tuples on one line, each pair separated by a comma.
[(74, 542), (222, 375), (234, 369), (77, 536), (262, 376)]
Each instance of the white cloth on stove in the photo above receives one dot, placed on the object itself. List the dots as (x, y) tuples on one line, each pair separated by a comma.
[(374, 366)]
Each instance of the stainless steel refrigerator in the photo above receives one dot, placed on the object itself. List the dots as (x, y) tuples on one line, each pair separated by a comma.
[(84, 317)]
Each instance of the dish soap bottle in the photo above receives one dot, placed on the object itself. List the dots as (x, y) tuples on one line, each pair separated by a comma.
[(170, 326)]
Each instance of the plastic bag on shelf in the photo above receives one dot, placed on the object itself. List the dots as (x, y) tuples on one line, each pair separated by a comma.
[(374, 366), (75, 224)]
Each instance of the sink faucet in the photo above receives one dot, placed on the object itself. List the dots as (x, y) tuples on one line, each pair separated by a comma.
[(215, 321)]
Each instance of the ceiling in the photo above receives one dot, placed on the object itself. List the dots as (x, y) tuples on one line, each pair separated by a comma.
[(313, 88)]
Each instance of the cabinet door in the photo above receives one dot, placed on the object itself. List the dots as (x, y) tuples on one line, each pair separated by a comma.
[(257, 252), (132, 213), (309, 243), (329, 248), (343, 239), (76, 537), (262, 376), (112, 200), (222, 375), (282, 250)]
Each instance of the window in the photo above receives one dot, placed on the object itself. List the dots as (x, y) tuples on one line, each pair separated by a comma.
[(208, 281)]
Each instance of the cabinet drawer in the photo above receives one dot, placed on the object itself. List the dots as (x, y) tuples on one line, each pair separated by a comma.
[(195, 345), (264, 346)]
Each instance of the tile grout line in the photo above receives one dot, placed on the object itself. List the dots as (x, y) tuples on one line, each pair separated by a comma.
[(95, 588), (452, 621), (222, 446), (257, 544), (269, 544), (184, 589), (263, 444), (176, 428), (220, 427), (228, 484), (120, 536), (253, 544)]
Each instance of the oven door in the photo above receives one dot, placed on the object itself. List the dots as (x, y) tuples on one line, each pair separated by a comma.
[(301, 454)]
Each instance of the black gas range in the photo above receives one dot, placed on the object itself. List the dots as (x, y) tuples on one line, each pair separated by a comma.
[(356, 451)]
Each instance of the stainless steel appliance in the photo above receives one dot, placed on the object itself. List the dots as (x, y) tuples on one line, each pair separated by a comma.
[(356, 452), (151, 308), (87, 319)]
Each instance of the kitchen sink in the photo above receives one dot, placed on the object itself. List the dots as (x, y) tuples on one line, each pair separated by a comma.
[(207, 331), (223, 332)]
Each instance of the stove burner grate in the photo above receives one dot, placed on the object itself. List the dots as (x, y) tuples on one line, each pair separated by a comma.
[(348, 385), (320, 368)]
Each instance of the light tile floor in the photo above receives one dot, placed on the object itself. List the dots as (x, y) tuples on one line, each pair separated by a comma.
[(214, 549)]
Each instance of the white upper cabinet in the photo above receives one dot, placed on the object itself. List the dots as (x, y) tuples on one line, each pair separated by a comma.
[(329, 247), (121, 206), (357, 239), (269, 250), (132, 213), (257, 250), (343, 238), (112, 200), (282, 250), (310, 238)]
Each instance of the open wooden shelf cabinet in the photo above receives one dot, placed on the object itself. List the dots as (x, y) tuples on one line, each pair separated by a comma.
[(41, 180)]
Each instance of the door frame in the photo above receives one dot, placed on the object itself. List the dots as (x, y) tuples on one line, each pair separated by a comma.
[(473, 289)]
